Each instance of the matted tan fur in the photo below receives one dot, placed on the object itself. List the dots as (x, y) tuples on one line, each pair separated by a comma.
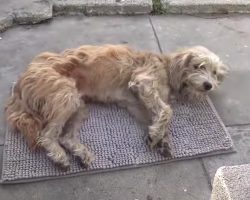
[(48, 103)]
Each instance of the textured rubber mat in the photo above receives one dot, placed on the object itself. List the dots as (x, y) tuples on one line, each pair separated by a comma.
[(119, 142)]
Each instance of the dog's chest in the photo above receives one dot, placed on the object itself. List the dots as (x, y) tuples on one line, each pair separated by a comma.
[(111, 95)]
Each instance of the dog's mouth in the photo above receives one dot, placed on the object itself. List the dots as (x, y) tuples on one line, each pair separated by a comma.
[(190, 92)]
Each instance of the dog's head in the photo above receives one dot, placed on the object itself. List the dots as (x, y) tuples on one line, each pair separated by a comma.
[(196, 71)]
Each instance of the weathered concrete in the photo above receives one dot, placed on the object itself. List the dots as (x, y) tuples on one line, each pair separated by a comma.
[(6, 21), (33, 12), (229, 37), (36, 11), (241, 138), (103, 7), (232, 183), (206, 6), (24, 12)]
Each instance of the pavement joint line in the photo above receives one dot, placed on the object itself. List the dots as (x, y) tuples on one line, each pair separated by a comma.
[(207, 16), (233, 125), (155, 34), (206, 174)]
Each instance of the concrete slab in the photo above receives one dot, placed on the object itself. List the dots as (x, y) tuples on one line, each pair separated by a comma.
[(105, 7), (33, 12), (20, 44), (24, 12), (232, 183), (206, 6), (227, 36), (183, 180), (241, 139), (6, 21)]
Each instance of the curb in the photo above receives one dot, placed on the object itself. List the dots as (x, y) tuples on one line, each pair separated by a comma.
[(102, 7), (37, 11), (206, 6), (33, 13), (6, 22), (26, 13)]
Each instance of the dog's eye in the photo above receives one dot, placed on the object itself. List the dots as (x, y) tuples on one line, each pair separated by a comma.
[(184, 85), (196, 66), (214, 72)]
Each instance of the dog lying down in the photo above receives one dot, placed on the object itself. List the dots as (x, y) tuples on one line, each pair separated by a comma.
[(48, 102)]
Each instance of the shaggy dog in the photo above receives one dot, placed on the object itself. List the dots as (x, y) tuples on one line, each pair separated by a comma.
[(48, 101)]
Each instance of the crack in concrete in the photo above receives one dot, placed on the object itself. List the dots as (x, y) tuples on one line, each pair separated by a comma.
[(234, 125), (230, 28), (155, 34), (206, 173)]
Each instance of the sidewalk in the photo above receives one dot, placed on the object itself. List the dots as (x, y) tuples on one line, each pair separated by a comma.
[(36, 11), (186, 180)]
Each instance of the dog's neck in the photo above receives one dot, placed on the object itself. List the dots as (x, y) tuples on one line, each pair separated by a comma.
[(174, 80)]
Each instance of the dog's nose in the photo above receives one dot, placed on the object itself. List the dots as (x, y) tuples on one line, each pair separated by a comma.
[(207, 85)]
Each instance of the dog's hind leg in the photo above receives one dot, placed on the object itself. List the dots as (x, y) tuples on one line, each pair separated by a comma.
[(69, 139), (49, 141), (66, 105)]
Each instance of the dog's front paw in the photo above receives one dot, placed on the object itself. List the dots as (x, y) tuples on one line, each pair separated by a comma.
[(60, 159), (164, 148), (149, 142), (86, 159), (63, 166)]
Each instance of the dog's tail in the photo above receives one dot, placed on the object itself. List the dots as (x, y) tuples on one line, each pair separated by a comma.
[(21, 119)]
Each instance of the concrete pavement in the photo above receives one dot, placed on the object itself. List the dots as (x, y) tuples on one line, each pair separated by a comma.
[(186, 180), (36, 11)]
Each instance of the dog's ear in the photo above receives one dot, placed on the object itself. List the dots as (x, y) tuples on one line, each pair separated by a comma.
[(222, 72), (187, 59), (183, 59)]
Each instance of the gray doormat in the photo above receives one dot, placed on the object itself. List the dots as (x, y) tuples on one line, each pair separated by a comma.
[(119, 142)]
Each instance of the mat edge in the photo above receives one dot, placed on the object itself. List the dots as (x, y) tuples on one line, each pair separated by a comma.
[(220, 120), (200, 156)]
